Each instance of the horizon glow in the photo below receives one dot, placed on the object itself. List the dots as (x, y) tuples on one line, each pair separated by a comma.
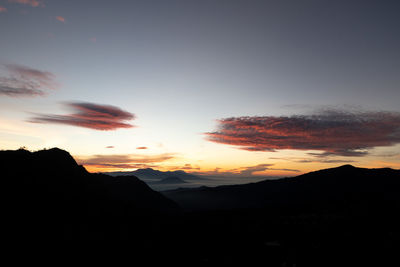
[(260, 88)]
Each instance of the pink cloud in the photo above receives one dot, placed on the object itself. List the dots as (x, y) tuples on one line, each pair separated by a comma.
[(25, 81), (124, 161), (32, 3), (59, 18), (89, 115), (3, 9), (332, 132)]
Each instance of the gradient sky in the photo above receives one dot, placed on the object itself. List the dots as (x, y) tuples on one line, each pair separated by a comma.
[(229, 88)]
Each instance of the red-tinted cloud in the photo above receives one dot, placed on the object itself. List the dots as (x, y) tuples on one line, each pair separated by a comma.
[(332, 132), (109, 146), (124, 161), (142, 147), (33, 3), (89, 115), (59, 18), (3, 9), (25, 81)]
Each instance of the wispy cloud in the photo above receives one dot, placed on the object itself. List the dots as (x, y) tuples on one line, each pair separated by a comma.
[(89, 115), (123, 161), (109, 146), (332, 132), (250, 171), (59, 18), (186, 167), (142, 147), (323, 161), (260, 170), (3, 9), (26, 81), (33, 3), (313, 160), (189, 167)]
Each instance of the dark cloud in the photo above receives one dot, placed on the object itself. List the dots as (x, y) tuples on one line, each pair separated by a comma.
[(109, 146), (124, 161), (323, 161), (313, 160), (189, 167), (25, 81), (17, 92), (330, 131), (89, 115), (248, 171)]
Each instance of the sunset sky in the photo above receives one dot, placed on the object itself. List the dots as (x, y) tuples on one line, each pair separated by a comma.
[(225, 88)]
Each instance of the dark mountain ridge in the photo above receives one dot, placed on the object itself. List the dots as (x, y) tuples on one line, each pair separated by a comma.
[(50, 186), (343, 216), (343, 187)]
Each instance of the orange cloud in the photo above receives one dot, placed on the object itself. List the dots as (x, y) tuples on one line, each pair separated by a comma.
[(59, 18), (3, 9), (89, 115), (332, 132), (142, 147), (120, 162), (32, 3)]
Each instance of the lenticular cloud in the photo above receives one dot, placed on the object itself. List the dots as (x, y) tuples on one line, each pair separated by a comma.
[(89, 115), (22, 81), (331, 132)]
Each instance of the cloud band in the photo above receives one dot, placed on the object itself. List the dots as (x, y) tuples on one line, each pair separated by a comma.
[(332, 132)]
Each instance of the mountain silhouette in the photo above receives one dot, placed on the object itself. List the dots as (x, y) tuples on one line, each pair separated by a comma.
[(344, 216), (149, 173), (334, 217), (344, 187), (172, 180), (63, 197)]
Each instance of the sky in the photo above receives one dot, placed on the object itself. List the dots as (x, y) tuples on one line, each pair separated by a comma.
[(226, 88)]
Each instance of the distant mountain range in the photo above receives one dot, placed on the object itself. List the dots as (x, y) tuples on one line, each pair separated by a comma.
[(151, 174), (160, 181)]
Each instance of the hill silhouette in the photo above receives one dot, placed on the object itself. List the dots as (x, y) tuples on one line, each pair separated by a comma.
[(344, 216), (64, 198), (340, 188)]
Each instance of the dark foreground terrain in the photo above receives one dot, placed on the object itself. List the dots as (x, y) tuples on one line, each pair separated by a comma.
[(344, 216)]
